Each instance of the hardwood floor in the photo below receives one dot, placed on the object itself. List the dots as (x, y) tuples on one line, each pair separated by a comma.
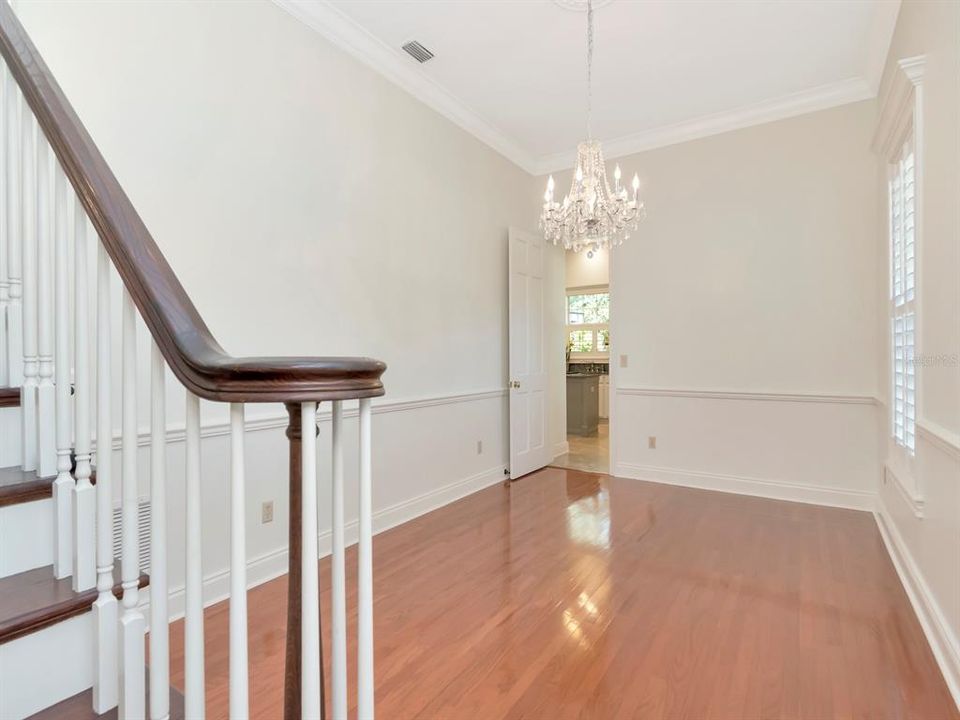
[(576, 595), (590, 453)]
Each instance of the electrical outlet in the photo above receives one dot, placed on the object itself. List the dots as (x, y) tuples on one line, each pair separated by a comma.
[(624, 360), (479, 447), (652, 442), (266, 512)]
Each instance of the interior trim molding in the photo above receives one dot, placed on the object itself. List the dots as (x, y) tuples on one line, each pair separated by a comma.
[(900, 106), (756, 396), (757, 487), (913, 500), (177, 433), (799, 103), (350, 36), (939, 437), (354, 39), (561, 448), (943, 643)]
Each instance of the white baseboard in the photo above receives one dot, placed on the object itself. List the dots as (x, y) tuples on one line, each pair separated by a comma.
[(216, 586), (943, 643), (561, 448), (773, 489)]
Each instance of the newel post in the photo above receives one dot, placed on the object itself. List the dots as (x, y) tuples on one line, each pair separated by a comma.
[(292, 668)]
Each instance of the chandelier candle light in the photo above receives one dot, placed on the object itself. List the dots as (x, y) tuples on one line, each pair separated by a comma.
[(591, 216)]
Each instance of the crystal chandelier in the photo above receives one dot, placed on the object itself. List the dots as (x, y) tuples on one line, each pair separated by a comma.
[(592, 215)]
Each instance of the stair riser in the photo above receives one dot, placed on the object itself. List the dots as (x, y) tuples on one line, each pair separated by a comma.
[(11, 452), (45, 667), (26, 537)]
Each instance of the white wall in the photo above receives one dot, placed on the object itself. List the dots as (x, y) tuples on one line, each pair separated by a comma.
[(309, 207), (925, 536), (583, 271), (752, 277)]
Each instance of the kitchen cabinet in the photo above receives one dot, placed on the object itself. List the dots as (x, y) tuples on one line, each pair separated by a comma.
[(583, 403)]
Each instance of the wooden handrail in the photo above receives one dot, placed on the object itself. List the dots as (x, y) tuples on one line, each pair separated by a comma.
[(188, 346)]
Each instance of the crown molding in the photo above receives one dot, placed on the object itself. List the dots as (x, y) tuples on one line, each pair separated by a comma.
[(348, 35), (878, 42), (900, 107), (786, 106), (351, 37)]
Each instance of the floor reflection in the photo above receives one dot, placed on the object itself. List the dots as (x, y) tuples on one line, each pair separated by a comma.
[(588, 518)]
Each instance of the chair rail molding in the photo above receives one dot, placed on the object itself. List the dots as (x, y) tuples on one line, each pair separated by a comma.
[(740, 395), (939, 437), (176, 432)]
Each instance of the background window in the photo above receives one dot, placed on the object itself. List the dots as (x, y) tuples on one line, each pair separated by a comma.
[(589, 308), (581, 341), (588, 322)]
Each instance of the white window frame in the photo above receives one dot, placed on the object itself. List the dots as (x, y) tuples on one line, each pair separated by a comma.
[(902, 235), (596, 328), (900, 128)]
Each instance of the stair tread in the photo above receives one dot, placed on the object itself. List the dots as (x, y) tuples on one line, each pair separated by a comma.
[(35, 599), (80, 707), (9, 397), (20, 486)]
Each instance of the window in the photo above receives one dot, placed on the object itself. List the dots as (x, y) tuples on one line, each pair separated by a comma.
[(588, 322), (903, 290)]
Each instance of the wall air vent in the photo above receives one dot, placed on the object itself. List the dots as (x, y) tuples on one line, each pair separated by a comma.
[(417, 51)]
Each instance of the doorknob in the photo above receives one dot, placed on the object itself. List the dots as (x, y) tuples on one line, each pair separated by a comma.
[(515, 384)]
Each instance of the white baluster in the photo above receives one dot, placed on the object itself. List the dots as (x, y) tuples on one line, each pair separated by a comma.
[(193, 622), (4, 231), (365, 574), (132, 626), (159, 633), (15, 237), (239, 698), (46, 395), (28, 392), (310, 588), (105, 690), (310, 669), (338, 661), (63, 486), (84, 500)]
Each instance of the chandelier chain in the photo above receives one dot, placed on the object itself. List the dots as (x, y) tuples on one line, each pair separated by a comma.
[(589, 69), (592, 215)]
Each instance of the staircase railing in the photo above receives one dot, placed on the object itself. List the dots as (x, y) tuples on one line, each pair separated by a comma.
[(50, 166)]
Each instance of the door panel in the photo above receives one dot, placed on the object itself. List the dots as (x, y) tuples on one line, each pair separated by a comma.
[(529, 450)]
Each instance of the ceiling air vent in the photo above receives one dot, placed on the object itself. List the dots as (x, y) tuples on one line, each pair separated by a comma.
[(417, 51)]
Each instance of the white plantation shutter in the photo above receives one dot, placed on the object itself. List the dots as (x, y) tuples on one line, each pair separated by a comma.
[(903, 292)]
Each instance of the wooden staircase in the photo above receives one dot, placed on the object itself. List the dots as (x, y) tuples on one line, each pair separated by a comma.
[(34, 600), (72, 615)]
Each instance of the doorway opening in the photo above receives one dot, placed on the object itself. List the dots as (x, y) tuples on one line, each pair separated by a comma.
[(587, 318)]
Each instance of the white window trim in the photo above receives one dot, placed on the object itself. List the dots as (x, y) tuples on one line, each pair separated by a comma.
[(595, 355), (902, 305), (901, 117)]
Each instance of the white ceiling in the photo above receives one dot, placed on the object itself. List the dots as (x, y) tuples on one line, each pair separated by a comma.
[(513, 72)]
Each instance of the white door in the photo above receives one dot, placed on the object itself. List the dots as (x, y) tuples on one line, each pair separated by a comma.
[(528, 376)]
